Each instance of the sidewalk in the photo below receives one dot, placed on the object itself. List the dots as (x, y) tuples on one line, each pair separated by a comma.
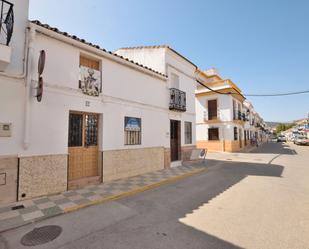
[(49, 206)]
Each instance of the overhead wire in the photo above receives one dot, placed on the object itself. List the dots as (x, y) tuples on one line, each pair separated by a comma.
[(253, 95)]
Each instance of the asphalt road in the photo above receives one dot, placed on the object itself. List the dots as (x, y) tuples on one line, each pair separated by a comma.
[(253, 200)]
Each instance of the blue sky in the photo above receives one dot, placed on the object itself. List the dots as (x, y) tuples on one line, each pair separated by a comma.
[(263, 46)]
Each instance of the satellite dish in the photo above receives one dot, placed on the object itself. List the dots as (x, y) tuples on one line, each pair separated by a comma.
[(41, 65), (41, 62)]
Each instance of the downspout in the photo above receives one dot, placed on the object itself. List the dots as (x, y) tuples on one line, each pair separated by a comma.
[(28, 90)]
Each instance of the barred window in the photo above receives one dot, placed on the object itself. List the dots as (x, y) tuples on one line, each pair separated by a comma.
[(132, 131), (188, 133), (235, 133), (213, 134)]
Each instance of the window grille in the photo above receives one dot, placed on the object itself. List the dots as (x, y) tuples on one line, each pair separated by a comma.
[(213, 134), (188, 133)]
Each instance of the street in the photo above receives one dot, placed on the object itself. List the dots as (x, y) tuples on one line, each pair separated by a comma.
[(251, 200)]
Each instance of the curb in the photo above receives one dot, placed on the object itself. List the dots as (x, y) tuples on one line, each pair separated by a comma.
[(133, 191), (109, 198)]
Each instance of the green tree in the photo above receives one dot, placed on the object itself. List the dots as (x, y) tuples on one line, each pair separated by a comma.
[(283, 127)]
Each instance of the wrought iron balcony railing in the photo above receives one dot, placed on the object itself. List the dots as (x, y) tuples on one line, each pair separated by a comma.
[(177, 100), (239, 115), (6, 22)]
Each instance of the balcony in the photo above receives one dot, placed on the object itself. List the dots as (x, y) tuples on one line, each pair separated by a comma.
[(237, 115), (6, 32), (177, 100)]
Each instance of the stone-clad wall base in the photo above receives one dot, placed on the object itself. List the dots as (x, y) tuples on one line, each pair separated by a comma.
[(186, 152), (210, 145), (119, 164), (231, 146), (8, 179), (167, 158), (42, 175), (226, 145)]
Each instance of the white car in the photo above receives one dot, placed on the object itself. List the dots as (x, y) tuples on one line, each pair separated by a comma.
[(301, 140)]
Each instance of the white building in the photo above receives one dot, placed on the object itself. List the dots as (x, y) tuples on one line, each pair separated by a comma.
[(101, 117), (225, 121)]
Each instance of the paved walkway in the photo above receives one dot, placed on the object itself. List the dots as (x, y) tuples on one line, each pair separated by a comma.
[(44, 207)]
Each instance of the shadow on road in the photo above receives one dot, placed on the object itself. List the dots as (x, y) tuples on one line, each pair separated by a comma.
[(160, 210)]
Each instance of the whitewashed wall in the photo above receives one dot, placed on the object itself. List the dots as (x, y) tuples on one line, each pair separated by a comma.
[(153, 57), (18, 39), (11, 111), (126, 92), (168, 62), (12, 90)]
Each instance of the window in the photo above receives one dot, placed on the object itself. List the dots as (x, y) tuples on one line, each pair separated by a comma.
[(89, 76), (75, 130), (213, 134), (91, 130), (90, 63), (235, 133), (174, 81), (132, 131), (234, 109), (83, 129), (212, 109), (188, 133)]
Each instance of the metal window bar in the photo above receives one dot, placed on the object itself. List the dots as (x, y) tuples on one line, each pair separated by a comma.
[(177, 100), (6, 22), (133, 137)]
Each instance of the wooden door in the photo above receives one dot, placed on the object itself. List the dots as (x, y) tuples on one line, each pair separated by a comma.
[(83, 145), (175, 140), (240, 138)]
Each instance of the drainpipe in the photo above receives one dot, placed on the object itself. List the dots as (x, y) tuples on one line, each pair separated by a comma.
[(28, 90)]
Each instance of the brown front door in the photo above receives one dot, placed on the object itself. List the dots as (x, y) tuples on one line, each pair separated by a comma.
[(175, 140), (83, 145)]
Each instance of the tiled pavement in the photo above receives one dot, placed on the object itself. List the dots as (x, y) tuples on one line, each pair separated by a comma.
[(44, 207)]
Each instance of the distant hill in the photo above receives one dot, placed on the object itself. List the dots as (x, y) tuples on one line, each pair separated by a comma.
[(273, 124)]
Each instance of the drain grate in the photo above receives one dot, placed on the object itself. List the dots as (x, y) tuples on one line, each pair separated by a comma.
[(41, 235), (18, 207)]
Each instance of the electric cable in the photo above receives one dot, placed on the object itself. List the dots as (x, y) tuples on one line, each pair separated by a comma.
[(254, 95)]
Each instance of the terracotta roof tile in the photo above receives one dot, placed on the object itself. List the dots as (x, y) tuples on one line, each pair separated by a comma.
[(93, 45)]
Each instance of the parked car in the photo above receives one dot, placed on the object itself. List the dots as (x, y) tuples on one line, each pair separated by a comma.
[(301, 140), (281, 139)]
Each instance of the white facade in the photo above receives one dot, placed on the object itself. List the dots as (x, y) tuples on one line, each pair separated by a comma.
[(169, 62), (233, 124), (37, 145)]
